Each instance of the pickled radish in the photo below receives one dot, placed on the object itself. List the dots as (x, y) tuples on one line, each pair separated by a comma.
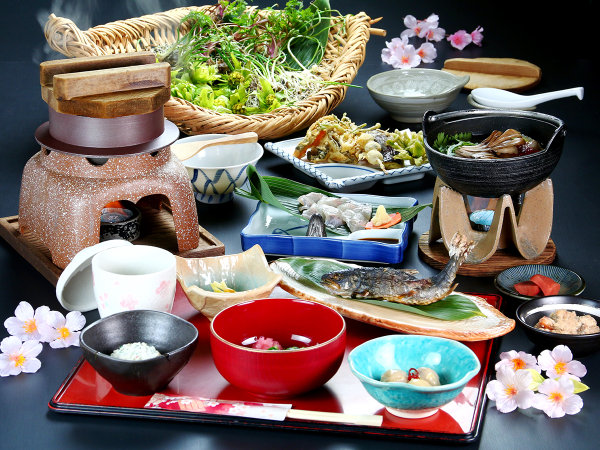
[(528, 288), (546, 284)]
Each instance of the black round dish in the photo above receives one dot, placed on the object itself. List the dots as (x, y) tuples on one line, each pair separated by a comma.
[(530, 312), (172, 336), (494, 177), (129, 229), (570, 282)]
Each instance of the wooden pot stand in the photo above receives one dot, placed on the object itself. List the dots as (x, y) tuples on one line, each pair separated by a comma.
[(516, 235)]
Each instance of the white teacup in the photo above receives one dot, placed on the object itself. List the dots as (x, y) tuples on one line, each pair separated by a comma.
[(134, 277)]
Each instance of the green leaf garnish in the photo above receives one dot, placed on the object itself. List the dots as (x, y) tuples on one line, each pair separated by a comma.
[(447, 144), (283, 194), (453, 307)]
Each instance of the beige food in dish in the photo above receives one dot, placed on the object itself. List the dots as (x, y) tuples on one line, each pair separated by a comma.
[(394, 375), (423, 376), (334, 140), (568, 322)]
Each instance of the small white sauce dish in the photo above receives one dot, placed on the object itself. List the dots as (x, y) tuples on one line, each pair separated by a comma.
[(408, 93)]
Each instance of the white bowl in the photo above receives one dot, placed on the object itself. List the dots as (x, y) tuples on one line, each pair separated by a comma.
[(216, 171), (408, 93)]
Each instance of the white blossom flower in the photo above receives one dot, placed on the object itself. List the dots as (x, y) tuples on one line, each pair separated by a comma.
[(62, 332), (558, 398), (427, 52), (416, 27), (517, 361), (511, 390), (559, 362), (18, 356), (26, 321)]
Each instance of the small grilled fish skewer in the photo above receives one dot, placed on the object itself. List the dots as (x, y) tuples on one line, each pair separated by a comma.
[(399, 286)]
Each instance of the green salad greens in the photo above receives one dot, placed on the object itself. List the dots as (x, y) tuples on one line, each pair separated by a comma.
[(245, 60)]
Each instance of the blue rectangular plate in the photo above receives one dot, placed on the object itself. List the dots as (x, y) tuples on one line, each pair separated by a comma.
[(280, 233)]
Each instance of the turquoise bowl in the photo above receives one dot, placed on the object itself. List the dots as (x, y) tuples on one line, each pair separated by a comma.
[(455, 363)]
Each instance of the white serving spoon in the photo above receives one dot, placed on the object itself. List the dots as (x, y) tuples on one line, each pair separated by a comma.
[(500, 98), (186, 150)]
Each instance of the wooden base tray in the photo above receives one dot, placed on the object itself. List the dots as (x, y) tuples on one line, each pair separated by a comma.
[(436, 255), (157, 229), (86, 392)]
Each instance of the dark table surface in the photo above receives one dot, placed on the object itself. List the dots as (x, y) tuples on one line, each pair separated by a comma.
[(559, 41)]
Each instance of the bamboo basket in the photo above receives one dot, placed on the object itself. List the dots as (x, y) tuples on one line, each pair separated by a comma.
[(344, 54)]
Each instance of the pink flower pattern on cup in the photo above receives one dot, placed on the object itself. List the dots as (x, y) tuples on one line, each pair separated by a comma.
[(103, 298), (129, 302), (163, 286)]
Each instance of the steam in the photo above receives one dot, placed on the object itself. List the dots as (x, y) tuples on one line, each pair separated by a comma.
[(142, 7), (79, 12), (82, 14)]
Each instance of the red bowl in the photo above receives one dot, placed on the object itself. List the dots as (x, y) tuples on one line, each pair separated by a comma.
[(292, 322)]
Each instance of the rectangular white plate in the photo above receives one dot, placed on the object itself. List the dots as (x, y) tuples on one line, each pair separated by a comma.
[(344, 177)]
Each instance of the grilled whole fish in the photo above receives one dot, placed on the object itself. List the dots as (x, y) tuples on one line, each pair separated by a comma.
[(397, 285)]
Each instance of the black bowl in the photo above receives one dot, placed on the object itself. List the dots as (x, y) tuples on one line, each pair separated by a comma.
[(494, 177), (129, 229), (172, 336), (530, 312)]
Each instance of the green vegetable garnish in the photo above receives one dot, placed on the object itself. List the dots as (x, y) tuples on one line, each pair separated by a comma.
[(447, 144)]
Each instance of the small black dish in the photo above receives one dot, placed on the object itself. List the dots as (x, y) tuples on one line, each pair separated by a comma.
[(530, 312), (493, 178), (570, 282), (128, 229), (172, 336)]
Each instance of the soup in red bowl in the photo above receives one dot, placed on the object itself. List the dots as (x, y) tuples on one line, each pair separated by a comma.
[(278, 347)]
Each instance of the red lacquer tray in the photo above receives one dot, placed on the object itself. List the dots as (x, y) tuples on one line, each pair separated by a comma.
[(86, 392)]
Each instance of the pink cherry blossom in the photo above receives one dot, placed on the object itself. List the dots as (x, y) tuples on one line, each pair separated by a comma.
[(558, 398), (415, 27), (163, 286), (400, 55), (511, 390), (435, 34), (517, 361), (18, 356), (460, 39), (433, 20), (427, 52), (560, 362), (61, 331), (409, 58), (129, 302), (26, 321), (394, 47), (477, 36)]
